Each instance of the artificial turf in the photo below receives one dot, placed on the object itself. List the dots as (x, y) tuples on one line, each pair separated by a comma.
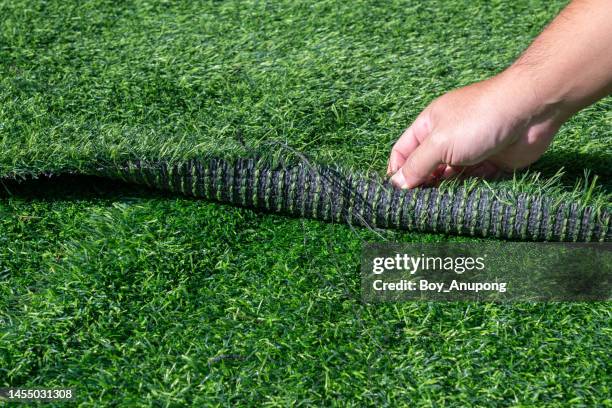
[(134, 297)]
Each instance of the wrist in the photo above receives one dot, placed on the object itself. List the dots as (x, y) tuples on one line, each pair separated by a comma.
[(537, 97)]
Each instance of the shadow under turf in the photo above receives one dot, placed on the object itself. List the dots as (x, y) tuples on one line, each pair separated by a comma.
[(76, 187), (73, 186), (574, 165)]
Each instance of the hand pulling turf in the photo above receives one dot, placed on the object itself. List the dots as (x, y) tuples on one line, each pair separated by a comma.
[(328, 194)]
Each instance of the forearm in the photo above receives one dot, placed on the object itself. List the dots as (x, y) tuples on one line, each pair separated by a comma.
[(569, 65)]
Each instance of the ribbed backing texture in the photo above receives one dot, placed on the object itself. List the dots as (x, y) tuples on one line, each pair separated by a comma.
[(323, 193)]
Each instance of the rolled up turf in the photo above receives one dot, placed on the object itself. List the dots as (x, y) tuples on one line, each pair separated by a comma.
[(329, 194)]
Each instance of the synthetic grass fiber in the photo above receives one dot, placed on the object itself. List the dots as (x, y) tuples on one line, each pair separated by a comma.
[(137, 297)]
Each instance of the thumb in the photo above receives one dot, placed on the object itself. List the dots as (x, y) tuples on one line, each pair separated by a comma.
[(420, 165)]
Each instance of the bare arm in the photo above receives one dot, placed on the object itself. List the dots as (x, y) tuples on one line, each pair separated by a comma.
[(508, 121)]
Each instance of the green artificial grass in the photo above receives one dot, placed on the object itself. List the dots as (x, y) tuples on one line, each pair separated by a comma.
[(134, 297)]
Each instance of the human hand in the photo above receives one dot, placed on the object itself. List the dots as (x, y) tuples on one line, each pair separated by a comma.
[(481, 130)]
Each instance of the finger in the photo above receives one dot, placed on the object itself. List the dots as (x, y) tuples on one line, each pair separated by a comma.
[(396, 160), (435, 176), (407, 143), (404, 146), (451, 172), (485, 170), (419, 167), (439, 171)]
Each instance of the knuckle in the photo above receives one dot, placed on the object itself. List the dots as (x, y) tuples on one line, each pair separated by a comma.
[(440, 142), (443, 145), (396, 153)]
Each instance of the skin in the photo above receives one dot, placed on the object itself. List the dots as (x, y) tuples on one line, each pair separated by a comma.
[(507, 122)]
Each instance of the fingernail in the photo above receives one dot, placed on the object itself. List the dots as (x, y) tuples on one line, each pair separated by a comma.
[(391, 167), (398, 180)]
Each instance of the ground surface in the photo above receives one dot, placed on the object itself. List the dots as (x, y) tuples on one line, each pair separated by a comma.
[(136, 297)]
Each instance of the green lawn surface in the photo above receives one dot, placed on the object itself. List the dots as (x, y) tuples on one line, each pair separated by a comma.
[(136, 298)]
